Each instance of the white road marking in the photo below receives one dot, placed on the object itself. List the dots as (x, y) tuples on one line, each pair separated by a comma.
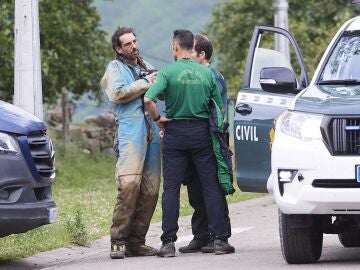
[(188, 238), (241, 229)]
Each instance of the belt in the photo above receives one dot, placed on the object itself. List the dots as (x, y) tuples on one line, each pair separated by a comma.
[(187, 121)]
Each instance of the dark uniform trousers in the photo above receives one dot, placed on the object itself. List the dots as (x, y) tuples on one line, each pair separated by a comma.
[(199, 223), (185, 142)]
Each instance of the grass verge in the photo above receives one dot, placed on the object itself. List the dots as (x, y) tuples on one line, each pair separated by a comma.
[(85, 192)]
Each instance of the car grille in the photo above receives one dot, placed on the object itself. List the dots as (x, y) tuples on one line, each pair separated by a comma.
[(335, 183), (342, 135), (42, 152)]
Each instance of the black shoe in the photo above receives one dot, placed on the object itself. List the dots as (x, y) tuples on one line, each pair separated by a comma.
[(167, 250), (223, 247), (194, 246), (209, 248), (117, 251)]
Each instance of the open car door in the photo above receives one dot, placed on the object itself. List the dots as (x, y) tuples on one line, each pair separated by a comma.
[(256, 110)]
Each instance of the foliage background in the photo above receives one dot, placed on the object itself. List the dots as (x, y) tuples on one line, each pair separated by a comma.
[(154, 22), (74, 50)]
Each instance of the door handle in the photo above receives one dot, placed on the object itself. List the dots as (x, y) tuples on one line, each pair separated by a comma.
[(243, 108)]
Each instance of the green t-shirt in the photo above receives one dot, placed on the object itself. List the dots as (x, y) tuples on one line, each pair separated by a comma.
[(187, 87)]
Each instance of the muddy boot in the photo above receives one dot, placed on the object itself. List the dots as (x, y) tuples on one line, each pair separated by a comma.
[(140, 250), (117, 251)]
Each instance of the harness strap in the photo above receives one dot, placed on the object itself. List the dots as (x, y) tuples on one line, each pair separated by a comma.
[(147, 121)]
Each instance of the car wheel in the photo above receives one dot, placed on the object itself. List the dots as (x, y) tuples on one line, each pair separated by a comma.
[(350, 239), (301, 240)]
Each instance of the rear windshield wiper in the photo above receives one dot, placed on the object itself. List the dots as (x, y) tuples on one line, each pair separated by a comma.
[(340, 82)]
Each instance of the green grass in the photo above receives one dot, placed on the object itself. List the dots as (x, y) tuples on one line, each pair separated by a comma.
[(85, 192)]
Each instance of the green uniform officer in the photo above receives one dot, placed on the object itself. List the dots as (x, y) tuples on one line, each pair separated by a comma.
[(187, 88)]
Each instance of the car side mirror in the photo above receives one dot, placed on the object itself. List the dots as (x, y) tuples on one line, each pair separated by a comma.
[(278, 80)]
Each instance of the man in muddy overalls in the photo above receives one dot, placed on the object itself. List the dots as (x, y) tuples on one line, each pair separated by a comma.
[(138, 165)]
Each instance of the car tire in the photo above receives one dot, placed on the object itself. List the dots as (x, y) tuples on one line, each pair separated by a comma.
[(350, 239), (299, 244)]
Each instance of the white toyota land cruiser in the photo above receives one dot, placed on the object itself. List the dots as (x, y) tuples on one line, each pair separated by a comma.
[(300, 140)]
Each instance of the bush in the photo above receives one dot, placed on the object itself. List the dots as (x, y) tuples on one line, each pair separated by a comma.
[(75, 226)]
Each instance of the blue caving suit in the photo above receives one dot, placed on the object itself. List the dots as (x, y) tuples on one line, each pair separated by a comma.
[(138, 165)]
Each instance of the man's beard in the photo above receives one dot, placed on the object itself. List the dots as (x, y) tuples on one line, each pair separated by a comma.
[(131, 56)]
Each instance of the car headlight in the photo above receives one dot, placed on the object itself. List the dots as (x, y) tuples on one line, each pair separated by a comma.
[(8, 146), (304, 126)]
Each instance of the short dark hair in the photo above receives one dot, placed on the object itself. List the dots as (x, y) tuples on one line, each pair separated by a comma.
[(118, 33), (203, 43), (184, 38)]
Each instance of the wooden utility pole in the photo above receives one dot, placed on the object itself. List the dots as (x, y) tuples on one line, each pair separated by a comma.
[(27, 73), (281, 20)]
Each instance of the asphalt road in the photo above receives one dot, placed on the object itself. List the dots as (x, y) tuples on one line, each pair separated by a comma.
[(255, 237)]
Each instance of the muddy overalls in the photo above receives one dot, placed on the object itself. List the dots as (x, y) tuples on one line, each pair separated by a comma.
[(138, 165)]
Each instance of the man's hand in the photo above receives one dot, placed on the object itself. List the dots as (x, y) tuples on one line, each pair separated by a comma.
[(161, 124), (151, 77), (162, 121)]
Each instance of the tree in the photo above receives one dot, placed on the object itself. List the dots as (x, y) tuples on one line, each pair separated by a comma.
[(6, 50), (313, 24), (74, 50)]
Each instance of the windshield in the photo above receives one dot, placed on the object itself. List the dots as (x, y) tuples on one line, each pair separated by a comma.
[(344, 62)]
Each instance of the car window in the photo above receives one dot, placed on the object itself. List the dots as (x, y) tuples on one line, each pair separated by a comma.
[(344, 61), (266, 58), (266, 55)]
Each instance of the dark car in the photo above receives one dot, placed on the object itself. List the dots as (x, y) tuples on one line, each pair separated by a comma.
[(27, 172)]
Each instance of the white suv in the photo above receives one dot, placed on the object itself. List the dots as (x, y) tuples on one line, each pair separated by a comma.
[(300, 140)]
